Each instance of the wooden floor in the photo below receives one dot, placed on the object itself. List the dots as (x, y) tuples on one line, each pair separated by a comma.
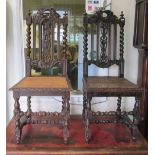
[(108, 139)]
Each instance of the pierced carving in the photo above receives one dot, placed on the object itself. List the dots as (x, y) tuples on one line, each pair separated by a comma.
[(46, 19), (47, 37), (105, 19), (47, 62), (103, 43), (43, 14)]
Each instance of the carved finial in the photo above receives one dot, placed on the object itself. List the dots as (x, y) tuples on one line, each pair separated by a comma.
[(65, 14), (28, 23), (85, 13), (29, 12), (122, 19), (28, 18), (65, 24), (122, 15), (65, 18), (85, 17)]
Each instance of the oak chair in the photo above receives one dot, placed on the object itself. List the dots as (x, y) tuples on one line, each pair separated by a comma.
[(46, 24), (104, 25)]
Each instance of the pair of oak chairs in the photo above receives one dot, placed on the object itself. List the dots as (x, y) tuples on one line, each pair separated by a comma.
[(103, 25)]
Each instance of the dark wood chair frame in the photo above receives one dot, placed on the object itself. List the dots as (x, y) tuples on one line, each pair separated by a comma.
[(103, 62), (44, 19)]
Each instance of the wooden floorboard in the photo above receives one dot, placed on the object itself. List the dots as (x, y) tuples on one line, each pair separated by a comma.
[(108, 139)]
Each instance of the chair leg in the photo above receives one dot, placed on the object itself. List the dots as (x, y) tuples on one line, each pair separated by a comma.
[(29, 111), (89, 103), (136, 117), (63, 104), (118, 110), (87, 128), (66, 112), (84, 106), (87, 131), (18, 128)]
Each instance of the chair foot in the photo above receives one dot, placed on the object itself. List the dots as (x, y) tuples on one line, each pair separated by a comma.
[(65, 141), (84, 117), (18, 134), (87, 135), (66, 134), (18, 141), (134, 133)]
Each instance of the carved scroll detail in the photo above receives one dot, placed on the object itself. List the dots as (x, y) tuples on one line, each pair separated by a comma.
[(103, 40), (105, 21), (44, 14), (47, 37)]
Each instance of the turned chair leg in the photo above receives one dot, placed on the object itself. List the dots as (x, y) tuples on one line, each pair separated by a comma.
[(84, 106), (29, 111), (118, 110), (66, 113), (18, 128), (87, 131), (136, 117), (87, 123)]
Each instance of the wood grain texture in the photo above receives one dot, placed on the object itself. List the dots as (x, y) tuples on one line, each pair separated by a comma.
[(108, 139)]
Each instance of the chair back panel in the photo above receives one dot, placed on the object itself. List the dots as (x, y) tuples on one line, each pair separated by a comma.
[(103, 27), (44, 28)]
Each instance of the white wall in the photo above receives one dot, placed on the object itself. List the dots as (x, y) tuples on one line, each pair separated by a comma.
[(14, 50), (15, 66), (131, 53)]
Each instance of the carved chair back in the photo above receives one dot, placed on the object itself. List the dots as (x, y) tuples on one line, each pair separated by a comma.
[(102, 27), (47, 50)]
